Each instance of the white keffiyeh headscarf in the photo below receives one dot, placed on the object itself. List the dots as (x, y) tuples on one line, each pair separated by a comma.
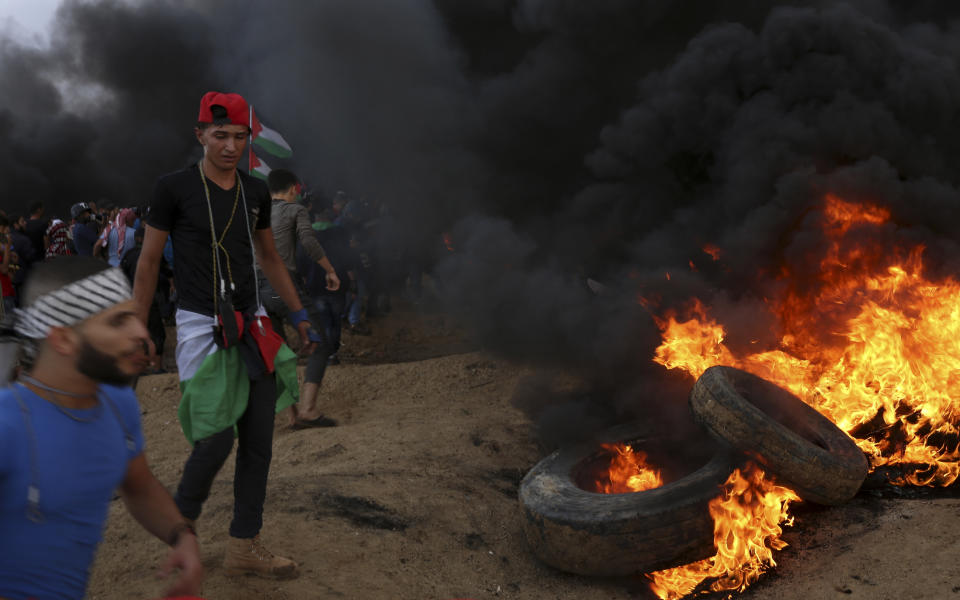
[(73, 303)]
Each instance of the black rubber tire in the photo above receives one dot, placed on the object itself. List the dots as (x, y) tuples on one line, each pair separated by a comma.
[(589, 533), (800, 447)]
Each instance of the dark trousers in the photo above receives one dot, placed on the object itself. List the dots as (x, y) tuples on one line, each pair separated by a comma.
[(331, 308), (254, 451), (317, 361)]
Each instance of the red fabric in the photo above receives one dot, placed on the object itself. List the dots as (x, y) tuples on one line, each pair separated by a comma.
[(59, 235), (237, 111), (120, 224), (268, 341), (260, 330), (6, 286), (239, 317), (255, 126)]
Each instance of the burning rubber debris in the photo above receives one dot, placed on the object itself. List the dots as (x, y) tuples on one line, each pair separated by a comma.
[(629, 471), (872, 345), (747, 518)]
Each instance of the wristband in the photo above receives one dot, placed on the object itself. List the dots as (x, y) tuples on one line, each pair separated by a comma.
[(174, 538), (298, 316)]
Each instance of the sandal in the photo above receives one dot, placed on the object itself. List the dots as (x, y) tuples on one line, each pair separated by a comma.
[(321, 421)]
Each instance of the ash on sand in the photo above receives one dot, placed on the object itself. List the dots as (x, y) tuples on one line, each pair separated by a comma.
[(413, 496)]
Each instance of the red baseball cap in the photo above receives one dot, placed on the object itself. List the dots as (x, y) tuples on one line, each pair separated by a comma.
[(223, 109)]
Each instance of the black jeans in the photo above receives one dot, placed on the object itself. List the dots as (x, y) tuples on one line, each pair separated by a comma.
[(331, 307), (254, 451), (317, 361)]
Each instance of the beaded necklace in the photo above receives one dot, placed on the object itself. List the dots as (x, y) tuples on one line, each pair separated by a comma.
[(217, 245)]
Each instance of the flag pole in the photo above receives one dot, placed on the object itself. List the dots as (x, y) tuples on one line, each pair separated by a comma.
[(250, 141)]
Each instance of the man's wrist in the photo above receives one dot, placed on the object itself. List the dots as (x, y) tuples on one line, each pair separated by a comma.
[(178, 531)]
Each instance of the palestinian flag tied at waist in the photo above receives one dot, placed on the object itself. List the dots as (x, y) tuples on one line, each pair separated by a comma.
[(267, 139), (215, 381), (258, 168)]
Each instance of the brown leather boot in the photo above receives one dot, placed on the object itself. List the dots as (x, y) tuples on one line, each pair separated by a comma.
[(250, 557)]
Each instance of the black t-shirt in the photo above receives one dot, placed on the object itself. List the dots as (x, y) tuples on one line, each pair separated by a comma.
[(180, 208), (35, 230), (341, 255)]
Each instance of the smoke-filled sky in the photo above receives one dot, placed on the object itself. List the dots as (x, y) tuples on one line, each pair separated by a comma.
[(33, 16), (554, 139)]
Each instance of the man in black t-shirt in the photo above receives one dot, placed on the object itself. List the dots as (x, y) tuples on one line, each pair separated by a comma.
[(231, 364), (36, 229), (25, 253)]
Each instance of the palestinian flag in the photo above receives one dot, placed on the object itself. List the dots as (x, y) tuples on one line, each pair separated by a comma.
[(214, 382), (267, 139), (258, 168)]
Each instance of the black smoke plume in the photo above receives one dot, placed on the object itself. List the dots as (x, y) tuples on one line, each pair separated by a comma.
[(556, 141)]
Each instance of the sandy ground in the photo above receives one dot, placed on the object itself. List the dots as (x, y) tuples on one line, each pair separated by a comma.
[(414, 496)]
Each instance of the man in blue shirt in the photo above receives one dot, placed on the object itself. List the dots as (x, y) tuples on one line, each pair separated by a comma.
[(84, 232), (70, 435)]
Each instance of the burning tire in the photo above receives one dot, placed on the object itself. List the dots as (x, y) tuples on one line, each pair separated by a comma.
[(590, 533), (793, 441)]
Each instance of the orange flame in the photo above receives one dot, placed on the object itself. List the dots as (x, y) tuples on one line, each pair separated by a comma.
[(628, 472), (747, 521), (875, 347), (448, 241), (712, 251), (693, 345), (841, 215)]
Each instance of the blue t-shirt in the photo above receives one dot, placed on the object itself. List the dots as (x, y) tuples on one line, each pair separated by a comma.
[(115, 254), (79, 466), (84, 237)]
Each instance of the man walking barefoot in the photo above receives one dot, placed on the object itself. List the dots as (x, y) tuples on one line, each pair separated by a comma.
[(290, 223)]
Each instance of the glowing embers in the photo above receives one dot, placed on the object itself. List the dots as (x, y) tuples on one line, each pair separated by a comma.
[(870, 342), (628, 472), (747, 525)]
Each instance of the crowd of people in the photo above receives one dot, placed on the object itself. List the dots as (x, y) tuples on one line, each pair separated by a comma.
[(32, 238), (350, 230), (234, 264)]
